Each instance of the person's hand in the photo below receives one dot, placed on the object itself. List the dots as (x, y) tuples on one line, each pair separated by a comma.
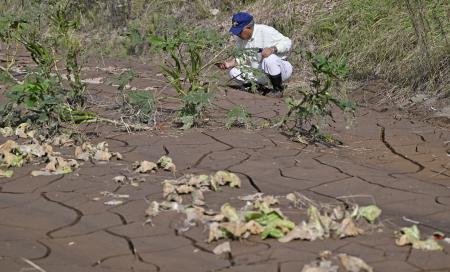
[(221, 65), (227, 64), (267, 52)]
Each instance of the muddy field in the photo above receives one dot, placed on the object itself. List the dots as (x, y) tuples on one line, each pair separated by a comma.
[(61, 223)]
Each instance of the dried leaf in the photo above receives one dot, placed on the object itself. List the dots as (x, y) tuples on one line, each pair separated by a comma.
[(103, 146), (9, 159), (311, 231), (101, 155), (8, 146), (225, 177), (117, 155), (166, 163), (222, 248), (198, 198), (348, 229), (354, 264), (57, 166), (320, 266), (62, 140), (21, 130), (153, 209), (229, 212), (215, 232), (146, 167), (184, 189), (198, 180), (119, 179), (168, 188), (80, 154), (6, 173), (7, 131)]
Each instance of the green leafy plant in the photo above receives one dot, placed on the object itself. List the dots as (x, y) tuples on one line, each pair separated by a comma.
[(184, 50), (123, 79), (138, 105), (44, 97), (238, 117), (309, 105), (195, 104), (144, 106)]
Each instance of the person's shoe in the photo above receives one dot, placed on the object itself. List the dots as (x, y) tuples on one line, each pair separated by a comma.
[(277, 84), (275, 94)]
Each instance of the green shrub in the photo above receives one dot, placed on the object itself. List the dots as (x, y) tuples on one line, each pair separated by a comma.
[(308, 106)]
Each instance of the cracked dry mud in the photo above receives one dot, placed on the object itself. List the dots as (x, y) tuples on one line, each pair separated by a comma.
[(401, 165)]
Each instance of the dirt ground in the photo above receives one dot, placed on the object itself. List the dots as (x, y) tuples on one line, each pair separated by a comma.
[(401, 165)]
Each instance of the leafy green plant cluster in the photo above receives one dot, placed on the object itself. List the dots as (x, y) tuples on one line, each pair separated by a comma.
[(238, 116), (311, 104), (138, 105), (184, 50), (46, 96)]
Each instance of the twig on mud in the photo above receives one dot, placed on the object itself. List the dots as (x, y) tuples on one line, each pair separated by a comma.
[(35, 266), (359, 196), (410, 220), (128, 127)]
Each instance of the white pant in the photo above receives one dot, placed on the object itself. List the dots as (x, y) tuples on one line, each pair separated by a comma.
[(272, 65)]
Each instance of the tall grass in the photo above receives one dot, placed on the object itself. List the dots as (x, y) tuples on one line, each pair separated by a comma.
[(405, 42)]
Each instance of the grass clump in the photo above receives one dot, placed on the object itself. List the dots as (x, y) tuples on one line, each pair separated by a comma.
[(405, 42)]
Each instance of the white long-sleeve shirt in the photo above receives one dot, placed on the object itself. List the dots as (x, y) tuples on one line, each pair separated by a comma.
[(263, 37)]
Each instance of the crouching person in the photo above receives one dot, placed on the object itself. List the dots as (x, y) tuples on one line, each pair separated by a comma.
[(264, 49)]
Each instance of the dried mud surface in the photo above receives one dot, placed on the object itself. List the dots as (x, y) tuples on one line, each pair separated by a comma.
[(401, 165)]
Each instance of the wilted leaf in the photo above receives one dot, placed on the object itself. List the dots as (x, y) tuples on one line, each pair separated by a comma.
[(168, 188), (119, 179), (311, 231), (146, 167), (195, 214), (411, 236), (225, 177), (198, 180), (101, 155), (198, 198), (102, 146), (215, 233), (347, 228), (353, 264), (229, 212), (7, 131), (222, 248), (166, 163), (80, 154), (274, 223), (21, 130), (61, 140), (34, 149), (117, 155), (57, 166), (6, 173), (10, 159), (370, 213), (320, 266), (153, 209), (8, 146), (184, 189)]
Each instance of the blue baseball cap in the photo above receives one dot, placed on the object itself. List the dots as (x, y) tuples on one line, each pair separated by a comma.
[(240, 20)]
